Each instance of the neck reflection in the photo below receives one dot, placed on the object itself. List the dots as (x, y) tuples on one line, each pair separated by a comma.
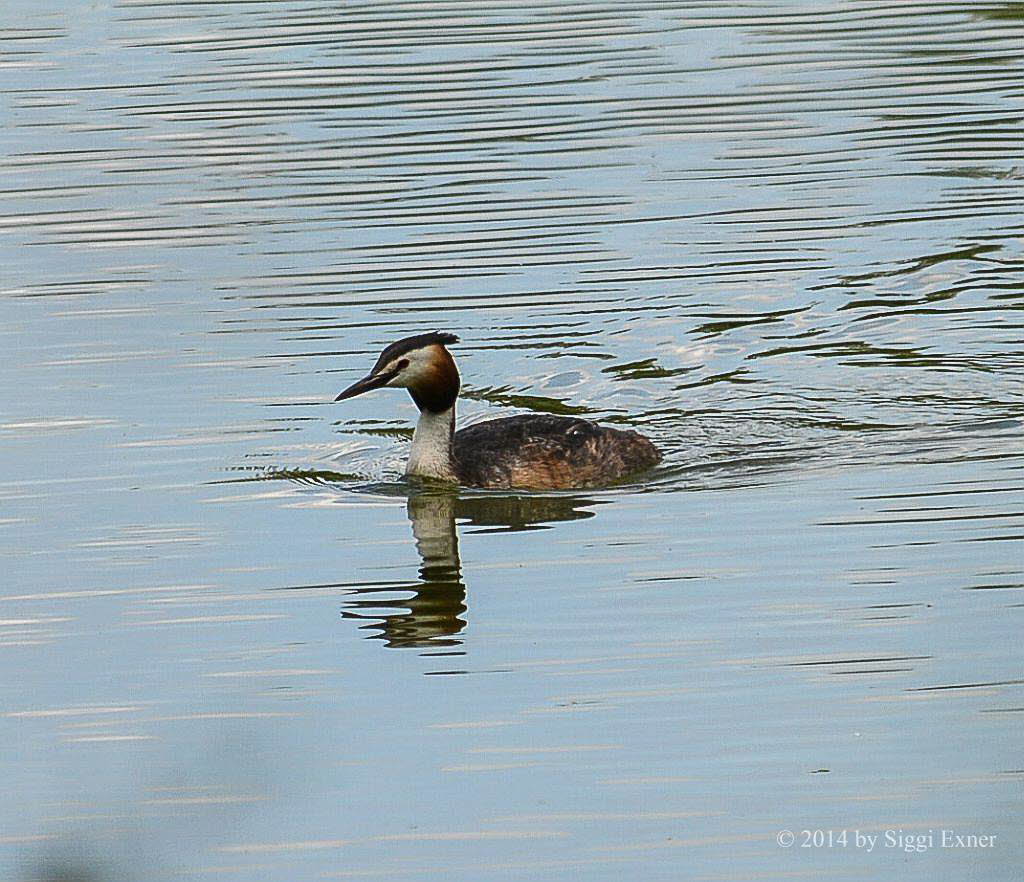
[(433, 614)]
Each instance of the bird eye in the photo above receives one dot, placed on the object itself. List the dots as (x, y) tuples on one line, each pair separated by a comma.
[(402, 364)]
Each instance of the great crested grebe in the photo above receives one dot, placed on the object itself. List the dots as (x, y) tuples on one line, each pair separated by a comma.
[(532, 452)]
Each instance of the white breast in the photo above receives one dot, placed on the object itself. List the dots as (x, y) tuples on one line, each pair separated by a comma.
[(431, 452)]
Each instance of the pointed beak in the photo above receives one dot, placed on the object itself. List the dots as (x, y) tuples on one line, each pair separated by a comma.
[(373, 381)]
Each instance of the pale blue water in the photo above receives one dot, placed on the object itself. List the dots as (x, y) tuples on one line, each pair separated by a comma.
[(783, 239)]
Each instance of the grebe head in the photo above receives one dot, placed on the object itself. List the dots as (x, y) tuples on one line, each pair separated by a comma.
[(420, 364)]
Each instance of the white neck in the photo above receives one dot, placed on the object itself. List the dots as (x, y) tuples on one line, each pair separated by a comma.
[(431, 452)]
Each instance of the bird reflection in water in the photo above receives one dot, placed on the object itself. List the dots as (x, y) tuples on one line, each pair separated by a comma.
[(434, 615)]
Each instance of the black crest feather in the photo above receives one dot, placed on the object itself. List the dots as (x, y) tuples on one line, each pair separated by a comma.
[(408, 344)]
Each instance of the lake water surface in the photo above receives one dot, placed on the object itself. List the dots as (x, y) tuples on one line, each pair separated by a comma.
[(784, 239)]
